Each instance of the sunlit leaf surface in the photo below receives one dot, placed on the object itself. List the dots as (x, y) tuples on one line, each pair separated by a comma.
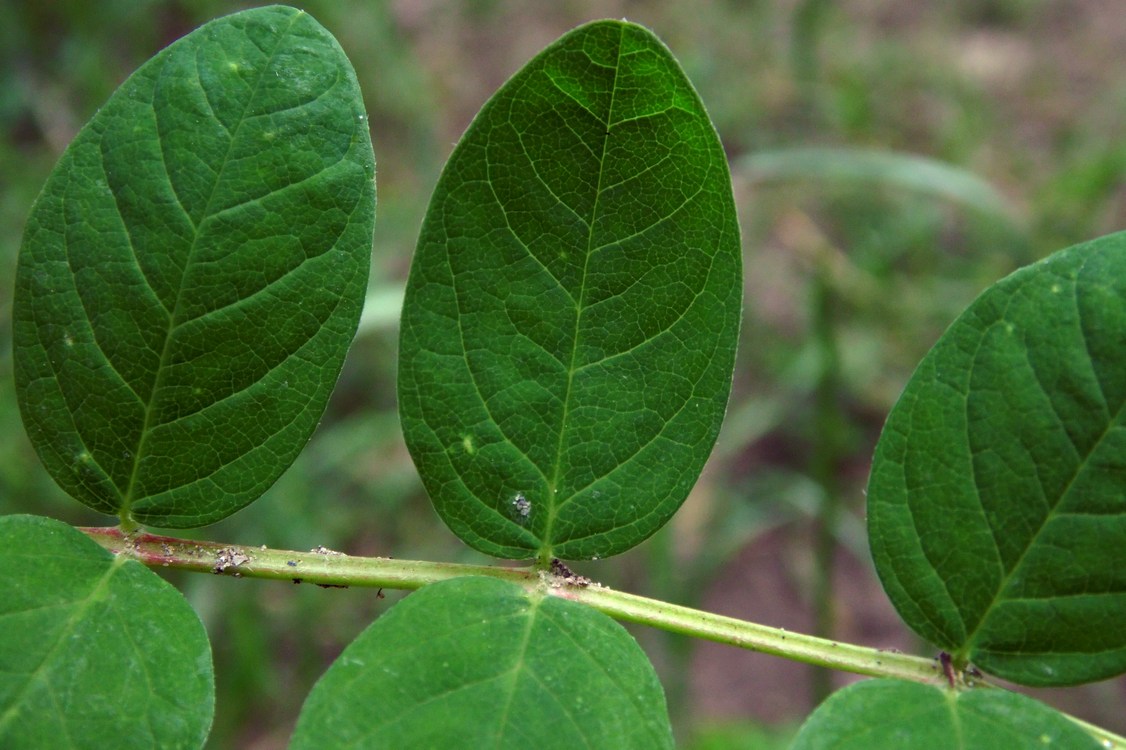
[(97, 651)]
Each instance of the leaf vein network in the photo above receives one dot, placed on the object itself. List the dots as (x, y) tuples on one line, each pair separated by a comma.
[(276, 191), (70, 413), (138, 452), (473, 377), (80, 606), (553, 482), (520, 241), (658, 435), (688, 200), (582, 105), (1091, 358), (1051, 515)]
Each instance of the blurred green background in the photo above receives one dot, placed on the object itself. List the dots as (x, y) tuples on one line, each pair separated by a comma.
[(891, 159)]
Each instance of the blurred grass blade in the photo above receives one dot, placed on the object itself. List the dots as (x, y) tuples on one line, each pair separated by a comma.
[(888, 169)]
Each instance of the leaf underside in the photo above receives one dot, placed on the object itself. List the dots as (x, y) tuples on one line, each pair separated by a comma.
[(192, 274), (570, 321), (97, 651), (480, 663), (894, 714), (997, 503)]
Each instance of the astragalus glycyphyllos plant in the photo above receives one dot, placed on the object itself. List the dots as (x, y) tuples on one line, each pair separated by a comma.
[(190, 280)]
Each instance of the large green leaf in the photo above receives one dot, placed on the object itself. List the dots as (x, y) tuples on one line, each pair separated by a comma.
[(97, 651), (193, 272), (997, 503), (893, 715), (480, 663), (570, 321)]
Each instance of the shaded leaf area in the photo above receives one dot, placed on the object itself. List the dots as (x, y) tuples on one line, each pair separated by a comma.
[(570, 321), (98, 651), (893, 714), (996, 506), (477, 662), (192, 274)]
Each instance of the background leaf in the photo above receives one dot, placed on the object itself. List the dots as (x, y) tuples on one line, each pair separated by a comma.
[(893, 714), (477, 662), (98, 651), (995, 508), (571, 316), (193, 272)]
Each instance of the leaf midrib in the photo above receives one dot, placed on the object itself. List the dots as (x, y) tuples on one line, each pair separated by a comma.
[(173, 322), (547, 543), (83, 605), (503, 720)]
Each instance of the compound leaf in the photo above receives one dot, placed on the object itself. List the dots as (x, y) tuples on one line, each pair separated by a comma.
[(894, 714), (192, 274), (98, 651), (572, 311), (997, 503), (477, 662)]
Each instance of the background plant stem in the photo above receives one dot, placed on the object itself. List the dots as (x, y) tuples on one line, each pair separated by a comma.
[(825, 461), (808, 20)]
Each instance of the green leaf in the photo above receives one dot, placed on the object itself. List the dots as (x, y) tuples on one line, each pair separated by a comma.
[(996, 505), (192, 274), (893, 715), (481, 663), (571, 316), (98, 651)]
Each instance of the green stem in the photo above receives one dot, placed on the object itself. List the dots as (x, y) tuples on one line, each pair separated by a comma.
[(675, 652), (320, 566), (328, 568)]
